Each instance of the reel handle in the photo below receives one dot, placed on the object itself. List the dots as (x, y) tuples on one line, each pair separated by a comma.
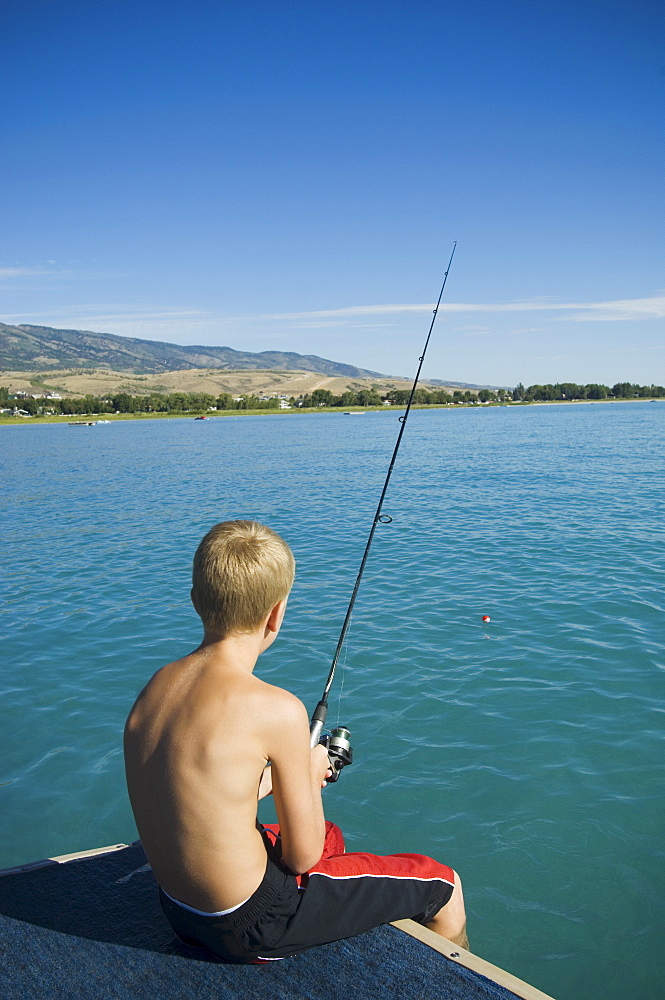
[(338, 745)]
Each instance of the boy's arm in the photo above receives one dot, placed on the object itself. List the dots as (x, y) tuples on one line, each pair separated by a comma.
[(298, 774), (265, 784)]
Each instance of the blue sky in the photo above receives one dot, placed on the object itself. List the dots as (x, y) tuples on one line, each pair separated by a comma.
[(292, 175)]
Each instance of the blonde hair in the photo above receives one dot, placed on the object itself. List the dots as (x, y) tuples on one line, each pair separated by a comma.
[(241, 571)]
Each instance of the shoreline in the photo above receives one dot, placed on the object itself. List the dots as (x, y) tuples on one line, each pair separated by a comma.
[(67, 419)]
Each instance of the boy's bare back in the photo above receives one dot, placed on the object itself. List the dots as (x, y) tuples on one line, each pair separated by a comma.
[(196, 744)]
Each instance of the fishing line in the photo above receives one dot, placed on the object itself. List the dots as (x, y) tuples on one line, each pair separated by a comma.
[(341, 687), (321, 710)]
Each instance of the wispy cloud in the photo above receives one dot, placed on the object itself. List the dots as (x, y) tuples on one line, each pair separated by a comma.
[(57, 272), (620, 309), (191, 325), (327, 323), (108, 314), (138, 316), (474, 331), (652, 307), (21, 272)]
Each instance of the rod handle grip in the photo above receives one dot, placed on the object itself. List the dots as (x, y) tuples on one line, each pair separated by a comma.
[(317, 723)]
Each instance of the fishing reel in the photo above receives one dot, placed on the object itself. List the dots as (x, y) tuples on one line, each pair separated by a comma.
[(337, 743)]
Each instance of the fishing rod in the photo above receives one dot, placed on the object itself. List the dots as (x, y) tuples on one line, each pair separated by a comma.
[(338, 743)]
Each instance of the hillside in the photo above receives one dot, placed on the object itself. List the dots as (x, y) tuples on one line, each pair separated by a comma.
[(76, 362), (34, 348), (256, 381)]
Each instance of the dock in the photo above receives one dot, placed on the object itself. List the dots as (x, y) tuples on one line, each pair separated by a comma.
[(89, 925)]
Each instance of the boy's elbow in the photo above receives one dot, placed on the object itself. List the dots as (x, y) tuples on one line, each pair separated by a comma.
[(299, 858), (300, 862)]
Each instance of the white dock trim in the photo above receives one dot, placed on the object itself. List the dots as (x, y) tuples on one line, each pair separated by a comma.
[(454, 953)]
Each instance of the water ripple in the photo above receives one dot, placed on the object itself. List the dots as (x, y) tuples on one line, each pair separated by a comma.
[(524, 751)]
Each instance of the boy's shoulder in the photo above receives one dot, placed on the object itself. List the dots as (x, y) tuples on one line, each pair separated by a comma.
[(279, 722), (282, 704)]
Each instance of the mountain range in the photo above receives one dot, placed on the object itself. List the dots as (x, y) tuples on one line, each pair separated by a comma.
[(28, 348)]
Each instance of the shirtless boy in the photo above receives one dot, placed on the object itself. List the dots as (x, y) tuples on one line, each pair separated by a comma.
[(198, 743)]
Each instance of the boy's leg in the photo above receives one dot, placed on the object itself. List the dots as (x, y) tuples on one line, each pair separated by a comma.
[(334, 842), (348, 894), (450, 921)]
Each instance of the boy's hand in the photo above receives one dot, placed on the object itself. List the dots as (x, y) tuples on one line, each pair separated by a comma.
[(320, 765)]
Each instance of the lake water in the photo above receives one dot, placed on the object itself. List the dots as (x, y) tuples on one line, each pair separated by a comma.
[(525, 752)]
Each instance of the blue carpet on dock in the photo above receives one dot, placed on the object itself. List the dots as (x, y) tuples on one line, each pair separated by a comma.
[(93, 928)]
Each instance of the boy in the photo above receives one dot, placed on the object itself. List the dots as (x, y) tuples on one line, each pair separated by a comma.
[(198, 743)]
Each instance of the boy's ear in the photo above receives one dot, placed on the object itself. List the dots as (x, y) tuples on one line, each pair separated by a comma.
[(192, 597), (276, 617)]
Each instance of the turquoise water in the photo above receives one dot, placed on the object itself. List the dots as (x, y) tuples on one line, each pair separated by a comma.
[(526, 753)]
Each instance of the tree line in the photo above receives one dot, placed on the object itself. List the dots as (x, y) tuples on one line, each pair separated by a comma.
[(154, 402), (201, 402), (570, 390)]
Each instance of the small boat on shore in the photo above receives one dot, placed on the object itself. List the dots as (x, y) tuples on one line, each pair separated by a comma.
[(87, 423)]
